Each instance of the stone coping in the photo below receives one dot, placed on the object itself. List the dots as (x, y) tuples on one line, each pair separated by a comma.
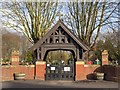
[(80, 62), (86, 65), (18, 66), (27, 65), (7, 66), (40, 62)]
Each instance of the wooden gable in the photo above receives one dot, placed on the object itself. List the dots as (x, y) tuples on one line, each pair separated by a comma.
[(59, 34)]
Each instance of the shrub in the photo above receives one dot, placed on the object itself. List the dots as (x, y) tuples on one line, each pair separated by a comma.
[(29, 57)]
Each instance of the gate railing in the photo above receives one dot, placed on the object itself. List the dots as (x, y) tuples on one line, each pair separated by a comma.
[(60, 72)]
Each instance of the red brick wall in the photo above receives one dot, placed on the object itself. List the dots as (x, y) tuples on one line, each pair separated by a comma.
[(105, 57), (15, 58), (112, 73), (40, 70), (85, 71), (89, 71), (82, 71), (79, 72), (8, 71)]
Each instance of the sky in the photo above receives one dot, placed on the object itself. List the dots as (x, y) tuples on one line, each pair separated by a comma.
[(60, 0), (64, 11)]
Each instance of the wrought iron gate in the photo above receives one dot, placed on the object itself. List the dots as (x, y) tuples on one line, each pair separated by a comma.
[(60, 71)]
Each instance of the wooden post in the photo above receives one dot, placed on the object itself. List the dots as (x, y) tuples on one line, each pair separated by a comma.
[(38, 55)]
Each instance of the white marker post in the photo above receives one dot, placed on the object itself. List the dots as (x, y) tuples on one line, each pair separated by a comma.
[(97, 61)]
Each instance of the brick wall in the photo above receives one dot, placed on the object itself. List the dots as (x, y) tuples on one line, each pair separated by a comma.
[(8, 71), (112, 73), (85, 71), (38, 71), (105, 57)]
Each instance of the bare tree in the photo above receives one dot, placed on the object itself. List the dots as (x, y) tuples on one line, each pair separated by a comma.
[(111, 42), (11, 41), (33, 19), (87, 18)]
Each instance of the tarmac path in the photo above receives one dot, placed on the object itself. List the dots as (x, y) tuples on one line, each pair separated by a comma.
[(59, 84)]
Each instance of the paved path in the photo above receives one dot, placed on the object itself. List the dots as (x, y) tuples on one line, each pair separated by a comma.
[(58, 84)]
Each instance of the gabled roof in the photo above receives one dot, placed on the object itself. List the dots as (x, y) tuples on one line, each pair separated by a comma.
[(66, 29)]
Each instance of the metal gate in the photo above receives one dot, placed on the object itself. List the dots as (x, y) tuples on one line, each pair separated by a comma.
[(60, 71)]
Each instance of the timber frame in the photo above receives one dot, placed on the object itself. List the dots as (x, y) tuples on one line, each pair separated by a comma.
[(59, 37)]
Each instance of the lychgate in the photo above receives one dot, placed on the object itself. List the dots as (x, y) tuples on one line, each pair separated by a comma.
[(59, 38)]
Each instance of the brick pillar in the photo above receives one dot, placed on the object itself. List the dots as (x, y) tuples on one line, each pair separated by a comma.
[(79, 70), (15, 58), (105, 57), (40, 70)]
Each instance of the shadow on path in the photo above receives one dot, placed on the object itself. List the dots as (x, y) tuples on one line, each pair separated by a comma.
[(24, 84), (60, 84)]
